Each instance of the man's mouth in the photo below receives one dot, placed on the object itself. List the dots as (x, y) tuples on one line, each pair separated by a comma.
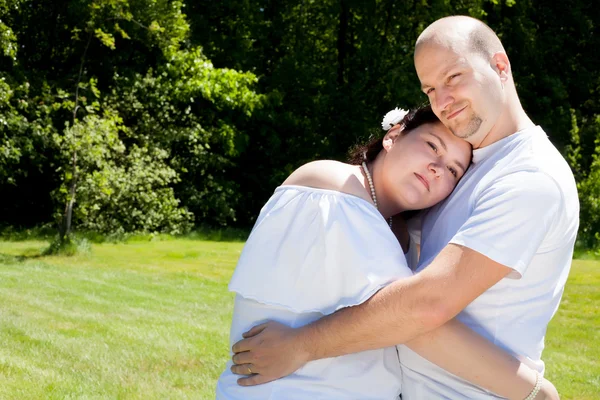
[(423, 181), (455, 113)]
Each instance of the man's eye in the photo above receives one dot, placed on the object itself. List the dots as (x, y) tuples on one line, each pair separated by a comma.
[(428, 91), (453, 172), (432, 146), (453, 76)]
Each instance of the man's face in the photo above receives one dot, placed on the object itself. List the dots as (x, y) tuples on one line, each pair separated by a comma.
[(464, 90)]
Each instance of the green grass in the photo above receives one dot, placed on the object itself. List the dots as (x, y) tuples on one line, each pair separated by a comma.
[(137, 321), (572, 352), (150, 320)]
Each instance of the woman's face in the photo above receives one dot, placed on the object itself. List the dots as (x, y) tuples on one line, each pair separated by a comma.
[(422, 167)]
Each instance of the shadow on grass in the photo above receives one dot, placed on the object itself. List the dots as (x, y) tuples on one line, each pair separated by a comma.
[(47, 233), (17, 259), (218, 235), (11, 234)]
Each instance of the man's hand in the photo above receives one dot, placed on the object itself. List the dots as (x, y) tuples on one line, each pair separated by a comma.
[(269, 351)]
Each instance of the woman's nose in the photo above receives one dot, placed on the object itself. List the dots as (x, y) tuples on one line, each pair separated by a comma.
[(437, 170)]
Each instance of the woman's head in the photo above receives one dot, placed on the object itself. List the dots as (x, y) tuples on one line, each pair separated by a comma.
[(417, 164)]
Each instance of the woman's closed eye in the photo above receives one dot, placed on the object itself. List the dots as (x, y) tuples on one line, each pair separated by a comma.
[(453, 171), (433, 146)]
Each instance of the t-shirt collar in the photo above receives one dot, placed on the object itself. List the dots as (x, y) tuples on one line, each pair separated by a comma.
[(485, 152)]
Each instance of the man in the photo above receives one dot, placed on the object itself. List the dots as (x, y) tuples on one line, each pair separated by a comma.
[(496, 254)]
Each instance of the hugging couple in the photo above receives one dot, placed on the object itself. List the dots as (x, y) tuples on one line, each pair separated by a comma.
[(450, 303)]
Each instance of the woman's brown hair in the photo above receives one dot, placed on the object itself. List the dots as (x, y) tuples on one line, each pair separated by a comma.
[(368, 151)]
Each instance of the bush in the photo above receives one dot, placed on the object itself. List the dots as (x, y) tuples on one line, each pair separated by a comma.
[(117, 189), (589, 191), (589, 197), (69, 247)]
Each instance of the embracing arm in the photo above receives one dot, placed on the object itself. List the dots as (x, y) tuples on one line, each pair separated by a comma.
[(462, 352), (396, 314), (406, 308), (440, 294), (414, 311)]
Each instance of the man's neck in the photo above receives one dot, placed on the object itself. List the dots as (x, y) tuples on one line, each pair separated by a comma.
[(513, 120)]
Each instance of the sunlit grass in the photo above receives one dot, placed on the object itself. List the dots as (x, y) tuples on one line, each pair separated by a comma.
[(139, 320), (572, 352), (150, 320)]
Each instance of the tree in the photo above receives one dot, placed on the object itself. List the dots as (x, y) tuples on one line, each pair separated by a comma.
[(319, 76), (71, 132)]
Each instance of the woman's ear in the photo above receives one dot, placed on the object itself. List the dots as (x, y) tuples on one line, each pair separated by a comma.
[(391, 136)]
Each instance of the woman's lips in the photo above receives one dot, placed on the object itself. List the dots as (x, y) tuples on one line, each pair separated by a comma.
[(423, 181)]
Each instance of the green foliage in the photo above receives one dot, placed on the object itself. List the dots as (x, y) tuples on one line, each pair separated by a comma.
[(587, 174), (191, 109), (8, 40), (69, 247), (165, 124), (127, 134), (117, 190), (589, 197), (158, 22), (330, 70), (573, 149), (132, 194), (340, 65)]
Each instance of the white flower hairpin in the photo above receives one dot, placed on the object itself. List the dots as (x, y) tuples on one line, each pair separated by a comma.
[(393, 117)]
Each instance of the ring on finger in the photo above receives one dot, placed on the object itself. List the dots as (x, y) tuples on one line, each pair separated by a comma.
[(249, 369)]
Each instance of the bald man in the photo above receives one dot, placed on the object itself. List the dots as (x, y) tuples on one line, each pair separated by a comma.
[(496, 254)]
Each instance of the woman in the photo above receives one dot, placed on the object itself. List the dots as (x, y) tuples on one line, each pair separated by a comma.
[(323, 242)]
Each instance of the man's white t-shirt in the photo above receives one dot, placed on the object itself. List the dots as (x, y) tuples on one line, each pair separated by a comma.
[(518, 205)]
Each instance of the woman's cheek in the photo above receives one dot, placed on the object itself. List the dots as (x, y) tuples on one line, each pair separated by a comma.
[(448, 188)]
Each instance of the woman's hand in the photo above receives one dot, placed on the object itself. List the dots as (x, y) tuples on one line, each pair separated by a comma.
[(268, 352)]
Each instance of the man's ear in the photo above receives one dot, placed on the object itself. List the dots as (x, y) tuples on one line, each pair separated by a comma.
[(391, 136), (501, 65)]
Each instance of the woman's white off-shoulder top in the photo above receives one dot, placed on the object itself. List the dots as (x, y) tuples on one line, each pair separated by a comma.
[(312, 252)]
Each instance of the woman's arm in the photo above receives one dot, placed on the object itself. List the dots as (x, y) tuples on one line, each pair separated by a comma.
[(462, 352)]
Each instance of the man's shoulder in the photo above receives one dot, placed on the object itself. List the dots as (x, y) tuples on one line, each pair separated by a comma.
[(536, 152), (530, 163)]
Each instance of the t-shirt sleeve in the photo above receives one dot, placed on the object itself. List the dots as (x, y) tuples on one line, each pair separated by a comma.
[(511, 218)]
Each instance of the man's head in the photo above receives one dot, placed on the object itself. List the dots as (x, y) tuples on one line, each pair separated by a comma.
[(465, 72)]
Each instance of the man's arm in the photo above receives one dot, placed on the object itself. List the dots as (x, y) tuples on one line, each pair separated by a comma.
[(396, 314), (462, 352), (407, 308)]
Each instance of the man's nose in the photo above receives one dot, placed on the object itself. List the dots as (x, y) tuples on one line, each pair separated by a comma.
[(443, 98)]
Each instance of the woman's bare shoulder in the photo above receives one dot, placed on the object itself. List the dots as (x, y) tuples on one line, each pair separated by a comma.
[(331, 175)]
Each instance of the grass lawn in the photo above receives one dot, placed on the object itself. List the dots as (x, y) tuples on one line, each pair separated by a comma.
[(151, 320)]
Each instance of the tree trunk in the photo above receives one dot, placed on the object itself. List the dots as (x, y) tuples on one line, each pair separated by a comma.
[(65, 226), (65, 230)]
